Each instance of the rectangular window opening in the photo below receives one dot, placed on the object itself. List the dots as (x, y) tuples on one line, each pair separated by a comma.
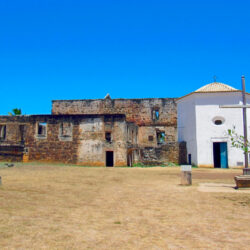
[(2, 132), (150, 138), (156, 114), (22, 132), (42, 129), (66, 129), (161, 137), (108, 136)]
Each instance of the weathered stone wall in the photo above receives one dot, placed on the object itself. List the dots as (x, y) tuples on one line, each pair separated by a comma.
[(133, 124), (151, 131), (51, 148), (11, 152), (172, 152), (93, 145), (139, 111), (86, 145)]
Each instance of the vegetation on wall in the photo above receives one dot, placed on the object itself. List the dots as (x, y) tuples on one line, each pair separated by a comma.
[(15, 111)]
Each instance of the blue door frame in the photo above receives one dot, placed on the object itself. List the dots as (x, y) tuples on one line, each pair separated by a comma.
[(223, 155)]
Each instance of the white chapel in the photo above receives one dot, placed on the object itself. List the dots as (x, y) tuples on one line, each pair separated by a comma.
[(204, 125)]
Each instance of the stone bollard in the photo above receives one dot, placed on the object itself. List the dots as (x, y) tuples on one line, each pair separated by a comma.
[(246, 171), (186, 175)]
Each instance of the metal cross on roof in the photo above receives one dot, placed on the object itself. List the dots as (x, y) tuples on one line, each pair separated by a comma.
[(244, 108)]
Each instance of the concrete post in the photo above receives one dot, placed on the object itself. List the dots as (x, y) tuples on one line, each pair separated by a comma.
[(186, 175)]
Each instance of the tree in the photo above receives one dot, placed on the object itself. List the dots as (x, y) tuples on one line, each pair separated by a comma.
[(237, 140), (15, 111)]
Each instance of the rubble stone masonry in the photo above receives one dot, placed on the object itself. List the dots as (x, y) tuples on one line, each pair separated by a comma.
[(97, 132)]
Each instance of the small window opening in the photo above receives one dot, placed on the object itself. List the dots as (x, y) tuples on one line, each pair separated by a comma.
[(150, 138), (218, 122), (66, 129), (42, 129), (108, 136), (156, 114), (2, 132), (22, 132), (161, 137)]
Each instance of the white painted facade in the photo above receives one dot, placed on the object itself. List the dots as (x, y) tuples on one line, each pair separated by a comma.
[(196, 115)]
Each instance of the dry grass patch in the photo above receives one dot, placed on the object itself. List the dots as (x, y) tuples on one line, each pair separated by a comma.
[(58, 207)]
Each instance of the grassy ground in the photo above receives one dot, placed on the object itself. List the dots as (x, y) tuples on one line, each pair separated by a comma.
[(60, 207)]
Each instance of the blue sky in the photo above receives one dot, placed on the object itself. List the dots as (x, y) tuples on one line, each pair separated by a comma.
[(51, 49)]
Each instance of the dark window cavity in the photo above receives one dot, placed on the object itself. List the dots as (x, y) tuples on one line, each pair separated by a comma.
[(108, 136), (218, 122), (150, 138), (22, 129)]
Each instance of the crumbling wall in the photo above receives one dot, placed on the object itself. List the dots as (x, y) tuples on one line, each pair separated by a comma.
[(93, 143), (139, 111), (12, 145), (147, 135), (51, 148), (172, 152), (11, 153), (151, 115), (78, 139)]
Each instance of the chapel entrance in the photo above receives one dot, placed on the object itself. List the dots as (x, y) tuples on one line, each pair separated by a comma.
[(220, 155), (109, 158)]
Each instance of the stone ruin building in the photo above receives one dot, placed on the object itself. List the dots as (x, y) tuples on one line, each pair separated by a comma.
[(99, 132)]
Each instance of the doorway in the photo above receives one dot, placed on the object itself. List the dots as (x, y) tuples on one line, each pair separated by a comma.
[(109, 158), (220, 155), (130, 159)]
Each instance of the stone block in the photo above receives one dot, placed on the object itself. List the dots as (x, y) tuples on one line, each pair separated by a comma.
[(242, 181)]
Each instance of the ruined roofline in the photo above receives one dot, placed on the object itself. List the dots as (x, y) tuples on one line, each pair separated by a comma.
[(61, 115), (117, 99)]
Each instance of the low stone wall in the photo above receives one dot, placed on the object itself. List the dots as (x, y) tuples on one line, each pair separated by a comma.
[(173, 152), (11, 153)]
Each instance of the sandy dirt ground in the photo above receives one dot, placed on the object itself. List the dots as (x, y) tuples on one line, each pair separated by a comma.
[(62, 207)]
